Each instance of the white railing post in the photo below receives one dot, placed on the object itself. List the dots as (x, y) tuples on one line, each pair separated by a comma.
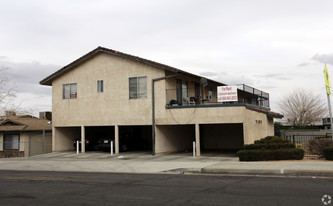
[(193, 148), (111, 147), (77, 147)]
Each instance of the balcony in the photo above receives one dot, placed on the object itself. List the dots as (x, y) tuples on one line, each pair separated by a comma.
[(247, 95)]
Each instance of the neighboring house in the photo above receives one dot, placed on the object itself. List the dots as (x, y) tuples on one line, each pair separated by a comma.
[(24, 135), (109, 93)]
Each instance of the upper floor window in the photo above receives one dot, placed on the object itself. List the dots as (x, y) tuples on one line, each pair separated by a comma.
[(70, 91), (11, 142), (182, 90), (137, 87), (100, 86), (210, 93)]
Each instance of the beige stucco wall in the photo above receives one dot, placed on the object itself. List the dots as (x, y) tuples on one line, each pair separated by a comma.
[(63, 138), (113, 106), (256, 126), (175, 138), (1, 141)]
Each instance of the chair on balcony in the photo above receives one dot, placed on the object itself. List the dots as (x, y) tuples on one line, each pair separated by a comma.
[(189, 101), (174, 103)]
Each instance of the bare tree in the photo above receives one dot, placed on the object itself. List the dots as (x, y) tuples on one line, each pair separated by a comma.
[(6, 90), (302, 107)]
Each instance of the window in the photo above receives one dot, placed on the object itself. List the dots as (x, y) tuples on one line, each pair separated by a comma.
[(137, 87), (11, 141), (182, 90), (70, 91), (100, 86), (210, 93)]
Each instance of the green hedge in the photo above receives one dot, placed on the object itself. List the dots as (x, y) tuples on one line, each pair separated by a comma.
[(271, 146), (279, 154), (328, 153), (271, 139)]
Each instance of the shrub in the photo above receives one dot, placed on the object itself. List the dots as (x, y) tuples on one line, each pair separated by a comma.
[(250, 155), (328, 153), (271, 139), (316, 146), (321, 137), (279, 154), (271, 146)]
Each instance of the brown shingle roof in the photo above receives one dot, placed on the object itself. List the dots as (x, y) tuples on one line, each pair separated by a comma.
[(267, 112), (24, 123), (48, 80)]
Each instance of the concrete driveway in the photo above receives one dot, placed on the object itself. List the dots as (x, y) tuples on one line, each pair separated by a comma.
[(179, 163), (136, 156)]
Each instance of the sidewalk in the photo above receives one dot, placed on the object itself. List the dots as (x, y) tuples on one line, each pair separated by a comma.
[(169, 164)]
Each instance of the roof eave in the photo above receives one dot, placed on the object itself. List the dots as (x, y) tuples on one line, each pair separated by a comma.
[(276, 116), (48, 80)]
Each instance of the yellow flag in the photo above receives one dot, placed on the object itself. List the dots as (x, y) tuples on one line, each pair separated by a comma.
[(327, 81)]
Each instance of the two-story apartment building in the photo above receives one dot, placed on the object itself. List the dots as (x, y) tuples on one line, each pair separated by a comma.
[(110, 93)]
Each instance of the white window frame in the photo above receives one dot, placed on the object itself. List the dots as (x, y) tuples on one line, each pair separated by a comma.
[(137, 87), (70, 92), (11, 142)]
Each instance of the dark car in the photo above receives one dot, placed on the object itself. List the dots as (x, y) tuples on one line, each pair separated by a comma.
[(91, 144), (105, 144)]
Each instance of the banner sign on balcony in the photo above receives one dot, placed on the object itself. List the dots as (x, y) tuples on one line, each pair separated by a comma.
[(227, 94)]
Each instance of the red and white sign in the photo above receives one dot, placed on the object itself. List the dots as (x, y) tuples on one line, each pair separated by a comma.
[(227, 94)]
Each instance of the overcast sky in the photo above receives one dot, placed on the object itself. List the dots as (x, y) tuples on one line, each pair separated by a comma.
[(275, 46)]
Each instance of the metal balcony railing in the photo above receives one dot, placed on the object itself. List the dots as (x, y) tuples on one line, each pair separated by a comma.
[(185, 97)]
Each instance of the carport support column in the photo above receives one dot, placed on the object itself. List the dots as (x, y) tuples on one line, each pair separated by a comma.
[(83, 139), (116, 138), (197, 139), (54, 149)]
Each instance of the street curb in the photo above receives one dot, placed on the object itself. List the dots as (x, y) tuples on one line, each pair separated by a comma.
[(263, 172), (281, 172)]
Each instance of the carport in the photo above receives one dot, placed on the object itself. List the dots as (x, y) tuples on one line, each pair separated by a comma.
[(94, 133), (174, 138), (135, 138), (221, 137), (65, 138)]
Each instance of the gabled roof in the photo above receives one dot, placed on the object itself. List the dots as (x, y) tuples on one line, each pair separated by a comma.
[(23, 123), (48, 80)]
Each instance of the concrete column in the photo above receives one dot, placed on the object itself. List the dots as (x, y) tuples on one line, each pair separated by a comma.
[(245, 134), (116, 139), (197, 140), (53, 139), (83, 139)]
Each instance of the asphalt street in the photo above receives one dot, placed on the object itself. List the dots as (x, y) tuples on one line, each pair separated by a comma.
[(68, 188)]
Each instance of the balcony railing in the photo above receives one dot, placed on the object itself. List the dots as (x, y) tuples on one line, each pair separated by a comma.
[(190, 97), (252, 90)]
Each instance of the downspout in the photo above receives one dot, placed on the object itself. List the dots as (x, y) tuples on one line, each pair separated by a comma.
[(153, 107)]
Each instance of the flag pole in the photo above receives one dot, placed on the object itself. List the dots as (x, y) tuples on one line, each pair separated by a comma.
[(330, 111), (328, 92)]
